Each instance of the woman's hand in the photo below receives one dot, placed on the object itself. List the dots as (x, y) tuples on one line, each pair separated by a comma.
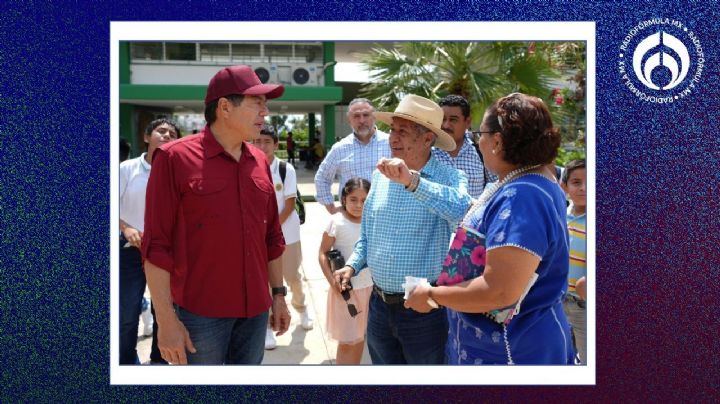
[(418, 299)]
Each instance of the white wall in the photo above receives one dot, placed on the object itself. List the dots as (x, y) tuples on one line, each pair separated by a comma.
[(171, 74), (183, 74)]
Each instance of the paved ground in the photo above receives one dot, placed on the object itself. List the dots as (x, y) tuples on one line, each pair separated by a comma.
[(298, 346)]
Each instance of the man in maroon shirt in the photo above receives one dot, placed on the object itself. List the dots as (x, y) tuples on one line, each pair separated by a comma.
[(212, 240)]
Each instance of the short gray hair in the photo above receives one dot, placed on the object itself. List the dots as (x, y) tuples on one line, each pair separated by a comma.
[(420, 129), (359, 100)]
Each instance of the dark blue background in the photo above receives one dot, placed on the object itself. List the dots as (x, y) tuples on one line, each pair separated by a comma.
[(657, 204)]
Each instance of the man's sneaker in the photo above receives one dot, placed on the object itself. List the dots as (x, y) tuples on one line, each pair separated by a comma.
[(306, 321), (270, 342)]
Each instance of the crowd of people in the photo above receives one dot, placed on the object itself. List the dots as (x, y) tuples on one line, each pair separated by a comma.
[(448, 246)]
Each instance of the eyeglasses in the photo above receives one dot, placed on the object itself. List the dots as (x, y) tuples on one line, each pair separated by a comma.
[(351, 307), (477, 133)]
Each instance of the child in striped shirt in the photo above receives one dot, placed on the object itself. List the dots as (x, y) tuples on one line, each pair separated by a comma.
[(573, 183)]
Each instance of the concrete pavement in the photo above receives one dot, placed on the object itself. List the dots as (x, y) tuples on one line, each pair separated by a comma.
[(298, 346)]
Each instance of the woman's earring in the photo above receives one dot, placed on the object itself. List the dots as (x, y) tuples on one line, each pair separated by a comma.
[(494, 151)]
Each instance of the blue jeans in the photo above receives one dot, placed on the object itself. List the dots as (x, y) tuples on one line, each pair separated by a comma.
[(155, 355), (132, 288), (398, 336), (232, 341)]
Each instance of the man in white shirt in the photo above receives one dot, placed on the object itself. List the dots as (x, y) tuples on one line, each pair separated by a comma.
[(134, 174), (285, 194), (354, 156)]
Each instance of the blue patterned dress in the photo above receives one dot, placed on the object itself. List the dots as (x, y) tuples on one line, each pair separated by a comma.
[(527, 213)]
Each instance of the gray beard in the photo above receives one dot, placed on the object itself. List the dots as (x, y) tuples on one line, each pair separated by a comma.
[(368, 133)]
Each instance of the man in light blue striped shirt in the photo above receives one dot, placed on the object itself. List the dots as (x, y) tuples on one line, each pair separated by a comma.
[(354, 156), (414, 204)]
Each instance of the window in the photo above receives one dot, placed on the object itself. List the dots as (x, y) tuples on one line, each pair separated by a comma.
[(214, 52), (146, 50), (180, 51), (309, 53), (246, 52), (275, 53)]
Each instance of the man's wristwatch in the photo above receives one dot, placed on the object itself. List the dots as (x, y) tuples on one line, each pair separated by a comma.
[(282, 290)]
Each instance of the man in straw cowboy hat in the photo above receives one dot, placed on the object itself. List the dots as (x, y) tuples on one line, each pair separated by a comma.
[(413, 207)]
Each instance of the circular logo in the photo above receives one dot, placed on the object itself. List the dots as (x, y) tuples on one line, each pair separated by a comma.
[(661, 60)]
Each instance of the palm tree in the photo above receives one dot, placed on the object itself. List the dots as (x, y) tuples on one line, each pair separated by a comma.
[(479, 71)]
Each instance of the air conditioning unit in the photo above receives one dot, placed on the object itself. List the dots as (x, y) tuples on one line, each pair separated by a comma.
[(300, 75), (305, 75), (266, 72)]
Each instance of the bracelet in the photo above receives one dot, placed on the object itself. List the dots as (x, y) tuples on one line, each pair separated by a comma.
[(414, 181)]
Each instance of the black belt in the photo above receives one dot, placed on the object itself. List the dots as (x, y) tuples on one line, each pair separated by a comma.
[(389, 298), (572, 298)]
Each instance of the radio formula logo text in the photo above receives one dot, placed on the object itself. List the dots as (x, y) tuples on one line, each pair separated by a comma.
[(661, 60)]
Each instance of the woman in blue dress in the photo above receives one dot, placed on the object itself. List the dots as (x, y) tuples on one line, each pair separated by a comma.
[(506, 271)]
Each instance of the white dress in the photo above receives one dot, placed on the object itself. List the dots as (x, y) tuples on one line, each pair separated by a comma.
[(340, 326)]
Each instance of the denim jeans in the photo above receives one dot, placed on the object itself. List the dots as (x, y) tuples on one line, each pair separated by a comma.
[(155, 355), (132, 288), (397, 335), (232, 341)]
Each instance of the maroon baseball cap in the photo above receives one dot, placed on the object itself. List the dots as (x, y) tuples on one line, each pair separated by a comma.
[(240, 79)]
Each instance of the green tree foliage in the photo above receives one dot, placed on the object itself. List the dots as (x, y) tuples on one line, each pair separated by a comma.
[(483, 72), (479, 71), (278, 122)]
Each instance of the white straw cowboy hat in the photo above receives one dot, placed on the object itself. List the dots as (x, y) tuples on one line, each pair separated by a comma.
[(426, 113)]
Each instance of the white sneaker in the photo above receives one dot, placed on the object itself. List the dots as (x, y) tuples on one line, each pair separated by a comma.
[(270, 342), (306, 321)]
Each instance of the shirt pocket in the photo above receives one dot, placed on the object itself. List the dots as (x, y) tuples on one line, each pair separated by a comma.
[(204, 199), (263, 185), (256, 202)]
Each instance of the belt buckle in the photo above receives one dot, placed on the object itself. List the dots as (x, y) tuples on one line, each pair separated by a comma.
[(387, 298)]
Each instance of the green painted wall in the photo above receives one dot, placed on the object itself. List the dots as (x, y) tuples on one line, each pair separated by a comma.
[(126, 127), (329, 110), (312, 123), (124, 62), (329, 124), (329, 56)]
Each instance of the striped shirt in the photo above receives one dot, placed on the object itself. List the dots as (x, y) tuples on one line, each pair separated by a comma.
[(405, 233), (349, 158), (578, 248), (469, 162)]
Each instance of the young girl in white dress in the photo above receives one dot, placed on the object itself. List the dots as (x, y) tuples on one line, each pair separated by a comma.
[(346, 321)]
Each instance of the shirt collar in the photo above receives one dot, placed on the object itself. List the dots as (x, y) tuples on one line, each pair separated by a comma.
[(430, 168), (212, 148), (467, 145), (144, 162), (570, 214), (372, 137), (210, 145)]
